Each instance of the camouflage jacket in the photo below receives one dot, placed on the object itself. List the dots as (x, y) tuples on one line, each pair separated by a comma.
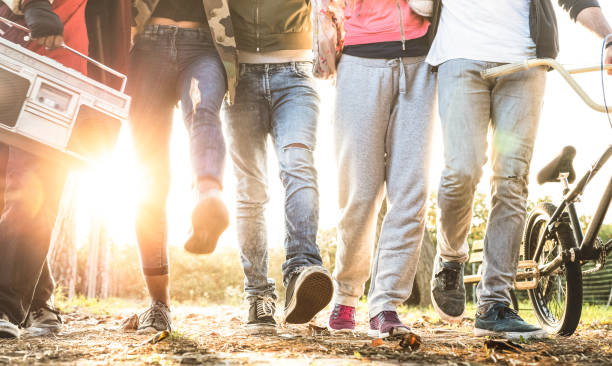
[(218, 16)]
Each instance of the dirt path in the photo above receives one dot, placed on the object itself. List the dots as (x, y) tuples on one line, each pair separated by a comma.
[(213, 335)]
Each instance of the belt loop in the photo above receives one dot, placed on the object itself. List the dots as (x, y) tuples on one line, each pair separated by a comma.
[(402, 77)]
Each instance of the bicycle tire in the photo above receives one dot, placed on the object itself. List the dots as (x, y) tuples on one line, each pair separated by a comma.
[(562, 323)]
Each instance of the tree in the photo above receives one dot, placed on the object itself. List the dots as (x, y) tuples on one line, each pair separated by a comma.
[(63, 251)]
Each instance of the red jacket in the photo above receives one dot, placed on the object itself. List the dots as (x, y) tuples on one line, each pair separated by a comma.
[(106, 34), (72, 14)]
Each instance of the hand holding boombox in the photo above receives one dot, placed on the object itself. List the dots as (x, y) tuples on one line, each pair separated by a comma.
[(46, 27)]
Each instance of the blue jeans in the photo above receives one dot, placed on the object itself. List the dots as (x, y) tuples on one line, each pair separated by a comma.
[(168, 64), (469, 106), (33, 189), (277, 100)]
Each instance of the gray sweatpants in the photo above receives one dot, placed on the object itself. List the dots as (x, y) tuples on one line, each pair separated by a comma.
[(383, 128)]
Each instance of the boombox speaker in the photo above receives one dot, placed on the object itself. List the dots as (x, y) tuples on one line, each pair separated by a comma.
[(56, 112)]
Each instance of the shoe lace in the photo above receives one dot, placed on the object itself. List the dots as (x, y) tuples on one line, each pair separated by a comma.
[(506, 312), (38, 313), (342, 311), (385, 316), (156, 312), (265, 306), (449, 278)]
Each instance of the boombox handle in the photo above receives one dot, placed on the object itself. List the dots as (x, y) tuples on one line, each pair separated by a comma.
[(98, 64)]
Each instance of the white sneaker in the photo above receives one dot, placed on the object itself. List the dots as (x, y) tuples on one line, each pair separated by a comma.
[(8, 329)]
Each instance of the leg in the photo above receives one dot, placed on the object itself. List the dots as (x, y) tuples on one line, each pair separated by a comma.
[(295, 111), (464, 103), (407, 171), (33, 192), (360, 126), (201, 88), (516, 103), (247, 131), (464, 99), (152, 80)]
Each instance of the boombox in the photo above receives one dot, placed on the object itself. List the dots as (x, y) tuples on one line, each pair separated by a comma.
[(56, 112)]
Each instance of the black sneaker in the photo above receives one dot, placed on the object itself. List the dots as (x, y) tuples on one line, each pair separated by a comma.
[(502, 321), (261, 315), (309, 290), (448, 290), (44, 317), (8, 329), (155, 319)]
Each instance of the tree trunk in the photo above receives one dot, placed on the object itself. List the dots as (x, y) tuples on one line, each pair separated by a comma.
[(421, 289), (98, 261), (63, 251)]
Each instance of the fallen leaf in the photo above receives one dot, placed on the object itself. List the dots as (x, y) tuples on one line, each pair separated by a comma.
[(129, 323), (502, 345), (410, 341), (377, 342), (158, 337), (315, 330)]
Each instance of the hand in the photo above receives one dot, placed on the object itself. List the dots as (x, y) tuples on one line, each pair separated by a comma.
[(46, 27)]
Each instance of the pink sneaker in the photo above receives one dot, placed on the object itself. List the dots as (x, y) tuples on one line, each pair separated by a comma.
[(342, 318), (387, 324)]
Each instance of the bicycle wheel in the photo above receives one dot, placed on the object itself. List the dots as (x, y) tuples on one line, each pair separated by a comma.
[(557, 300)]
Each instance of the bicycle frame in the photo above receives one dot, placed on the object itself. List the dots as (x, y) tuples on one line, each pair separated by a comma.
[(585, 249), (585, 244)]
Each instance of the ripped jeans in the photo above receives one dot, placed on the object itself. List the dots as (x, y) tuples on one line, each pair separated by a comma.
[(278, 100), (469, 105)]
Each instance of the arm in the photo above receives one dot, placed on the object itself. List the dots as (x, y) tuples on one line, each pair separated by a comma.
[(593, 19)]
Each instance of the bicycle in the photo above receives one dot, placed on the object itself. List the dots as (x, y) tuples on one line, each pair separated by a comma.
[(555, 247)]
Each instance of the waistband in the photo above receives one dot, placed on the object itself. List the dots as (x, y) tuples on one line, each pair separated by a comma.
[(382, 62), (282, 66), (171, 30)]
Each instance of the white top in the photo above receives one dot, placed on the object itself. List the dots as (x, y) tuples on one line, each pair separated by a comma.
[(488, 30)]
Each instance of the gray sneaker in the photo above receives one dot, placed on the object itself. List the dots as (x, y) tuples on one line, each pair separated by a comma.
[(155, 319), (448, 290), (261, 315), (501, 321), (44, 317), (8, 329)]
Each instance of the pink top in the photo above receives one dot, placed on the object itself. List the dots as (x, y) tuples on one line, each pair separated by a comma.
[(373, 21)]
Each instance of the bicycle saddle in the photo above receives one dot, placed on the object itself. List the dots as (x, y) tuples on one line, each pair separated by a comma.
[(563, 163)]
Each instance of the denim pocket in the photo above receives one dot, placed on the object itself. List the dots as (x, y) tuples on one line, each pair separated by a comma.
[(303, 69)]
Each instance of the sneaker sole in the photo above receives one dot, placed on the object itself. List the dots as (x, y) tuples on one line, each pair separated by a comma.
[(51, 327), (447, 318), (9, 332), (149, 330), (347, 331), (209, 220), (313, 291), (261, 329), (478, 332), (375, 333)]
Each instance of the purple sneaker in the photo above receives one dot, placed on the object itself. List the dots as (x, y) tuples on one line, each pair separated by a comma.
[(342, 318), (387, 324)]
